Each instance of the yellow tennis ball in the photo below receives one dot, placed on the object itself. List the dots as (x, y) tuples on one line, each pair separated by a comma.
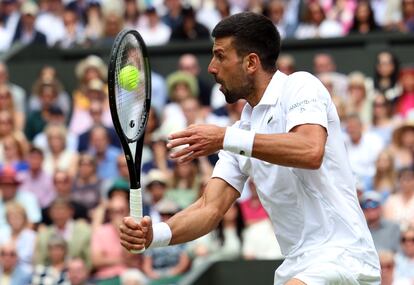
[(129, 77)]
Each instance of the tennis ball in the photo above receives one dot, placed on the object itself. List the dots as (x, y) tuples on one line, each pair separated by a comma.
[(129, 77)]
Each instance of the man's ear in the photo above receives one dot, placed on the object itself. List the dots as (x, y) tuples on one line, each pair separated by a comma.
[(252, 62)]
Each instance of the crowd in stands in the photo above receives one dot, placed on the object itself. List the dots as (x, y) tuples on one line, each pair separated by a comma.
[(64, 185)]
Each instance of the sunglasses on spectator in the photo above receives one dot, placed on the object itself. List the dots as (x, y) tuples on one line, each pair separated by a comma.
[(370, 204), (407, 239)]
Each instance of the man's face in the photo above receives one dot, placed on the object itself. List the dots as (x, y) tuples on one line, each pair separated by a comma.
[(8, 191), (228, 70)]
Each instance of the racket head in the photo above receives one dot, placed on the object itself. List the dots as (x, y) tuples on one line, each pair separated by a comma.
[(129, 88)]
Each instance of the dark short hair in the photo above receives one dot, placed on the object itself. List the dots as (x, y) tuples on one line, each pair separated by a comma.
[(252, 33)]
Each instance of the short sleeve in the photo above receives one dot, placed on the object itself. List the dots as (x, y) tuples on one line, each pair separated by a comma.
[(227, 168), (306, 102)]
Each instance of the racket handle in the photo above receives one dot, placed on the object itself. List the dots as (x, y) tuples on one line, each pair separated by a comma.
[(135, 208)]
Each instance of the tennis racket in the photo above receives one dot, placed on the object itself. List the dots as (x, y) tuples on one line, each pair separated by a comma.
[(129, 88)]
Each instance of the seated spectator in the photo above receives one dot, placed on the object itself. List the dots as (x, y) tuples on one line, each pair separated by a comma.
[(210, 15), (106, 250), (93, 22), (404, 260), (7, 103), (407, 22), (400, 206), (325, 63), (173, 15), (54, 269), (166, 263), (78, 273), (286, 63), (383, 123), (385, 178), (106, 154), (87, 185), (386, 70), (152, 29), (14, 153), (26, 33), (404, 103), (52, 17), (18, 93), (20, 234), (36, 180), (316, 24), (388, 276), (10, 271), (385, 233), (57, 155), (275, 10), (156, 185), (9, 183), (74, 31), (76, 233), (402, 145), (363, 149), (63, 183), (189, 28), (364, 20)]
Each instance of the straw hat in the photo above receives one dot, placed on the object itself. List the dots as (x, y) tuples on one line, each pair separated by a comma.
[(91, 61)]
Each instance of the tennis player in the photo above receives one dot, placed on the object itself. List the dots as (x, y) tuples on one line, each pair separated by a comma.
[(289, 140)]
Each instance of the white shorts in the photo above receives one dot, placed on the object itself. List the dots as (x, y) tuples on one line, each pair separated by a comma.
[(328, 267)]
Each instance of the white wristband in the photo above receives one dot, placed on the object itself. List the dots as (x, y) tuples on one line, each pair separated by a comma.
[(161, 235), (239, 141)]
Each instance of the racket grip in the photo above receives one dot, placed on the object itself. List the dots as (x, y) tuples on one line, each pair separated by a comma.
[(135, 209)]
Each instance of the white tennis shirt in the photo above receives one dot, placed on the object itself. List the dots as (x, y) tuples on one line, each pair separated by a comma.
[(310, 209)]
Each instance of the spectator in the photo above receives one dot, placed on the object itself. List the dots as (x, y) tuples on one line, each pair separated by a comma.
[(14, 153), (386, 72), (18, 93), (359, 97), (54, 270), (189, 63), (106, 250), (10, 15), (74, 31), (384, 232), (316, 24), (113, 24), (6, 103), (166, 263), (404, 260), (404, 104), (58, 156), (364, 21), (132, 14), (93, 23), (407, 23), (36, 180), (275, 10), (52, 17), (156, 185), (341, 11), (78, 273), (76, 233), (363, 149), (87, 186), (385, 178), (38, 119), (325, 63), (106, 155), (48, 75), (26, 33), (189, 28), (383, 123), (388, 276), (173, 17), (210, 15), (10, 272), (154, 31), (63, 183), (9, 183), (20, 234), (402, 145), (400, 206), (286, 63)]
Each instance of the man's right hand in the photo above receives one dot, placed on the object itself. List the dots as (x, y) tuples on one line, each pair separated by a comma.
[(136, 236)]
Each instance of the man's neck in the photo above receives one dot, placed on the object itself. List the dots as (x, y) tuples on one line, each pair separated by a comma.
[(262, 82)]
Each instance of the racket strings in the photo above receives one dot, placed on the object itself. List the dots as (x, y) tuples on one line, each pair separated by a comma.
[(130, 103)]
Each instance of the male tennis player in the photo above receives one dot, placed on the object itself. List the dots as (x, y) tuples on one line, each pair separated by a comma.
[(289, 140)]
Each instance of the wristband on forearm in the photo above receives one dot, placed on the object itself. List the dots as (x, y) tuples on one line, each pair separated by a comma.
[(238, 141), (161, 235)]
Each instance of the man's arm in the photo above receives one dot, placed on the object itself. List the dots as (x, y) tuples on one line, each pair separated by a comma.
[(302, 147), (196, 220)]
